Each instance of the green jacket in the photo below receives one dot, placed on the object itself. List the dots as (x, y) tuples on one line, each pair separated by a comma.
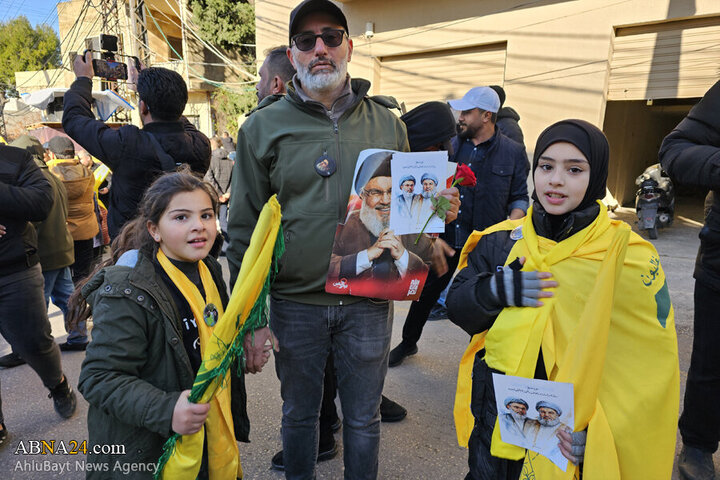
[(55, 244), (136, 365), (277, 149)]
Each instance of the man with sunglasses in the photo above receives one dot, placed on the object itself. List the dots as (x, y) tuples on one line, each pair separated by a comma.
[(304, 148)]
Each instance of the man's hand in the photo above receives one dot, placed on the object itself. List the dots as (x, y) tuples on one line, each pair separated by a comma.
[(258, 345), (388, 240), (84, 68), (133, 72), (188, 417), (440, 251), (2, 230), (517, 213), (452, 194)]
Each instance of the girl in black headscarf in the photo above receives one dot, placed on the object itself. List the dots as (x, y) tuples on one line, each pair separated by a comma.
[(559, 259)]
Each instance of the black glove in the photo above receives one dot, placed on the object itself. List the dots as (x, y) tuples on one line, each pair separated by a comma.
[(514, 288)]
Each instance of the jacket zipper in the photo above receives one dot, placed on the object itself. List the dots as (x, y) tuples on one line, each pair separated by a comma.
[(341, 207)]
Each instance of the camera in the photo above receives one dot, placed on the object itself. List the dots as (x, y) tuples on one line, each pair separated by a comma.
[(104, 48)]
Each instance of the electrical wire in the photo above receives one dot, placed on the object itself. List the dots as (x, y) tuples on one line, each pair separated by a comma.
[(201, 77)]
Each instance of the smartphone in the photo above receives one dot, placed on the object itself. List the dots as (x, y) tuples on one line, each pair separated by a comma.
[(109, 69)]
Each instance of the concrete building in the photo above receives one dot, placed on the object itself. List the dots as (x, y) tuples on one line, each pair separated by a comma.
[(632, 67), (163, 42)]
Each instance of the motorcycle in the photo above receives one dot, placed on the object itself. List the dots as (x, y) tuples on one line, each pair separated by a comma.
[(654, 200)]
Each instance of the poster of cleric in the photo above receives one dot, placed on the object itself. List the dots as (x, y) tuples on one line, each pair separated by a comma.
[(531, 412), (369, 258)]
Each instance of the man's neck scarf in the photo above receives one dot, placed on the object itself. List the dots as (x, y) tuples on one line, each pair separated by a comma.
[(223, 454), (609, 330)]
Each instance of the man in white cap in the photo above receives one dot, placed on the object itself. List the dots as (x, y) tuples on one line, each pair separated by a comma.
[(501, 167)]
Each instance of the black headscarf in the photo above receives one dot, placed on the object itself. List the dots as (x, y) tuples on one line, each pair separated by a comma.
[(591, 141)]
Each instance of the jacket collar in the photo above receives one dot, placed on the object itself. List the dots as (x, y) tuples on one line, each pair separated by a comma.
[(358, 86), (164, 127)]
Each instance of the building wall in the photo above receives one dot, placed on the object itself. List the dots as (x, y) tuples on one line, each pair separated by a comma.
[(558, 55)]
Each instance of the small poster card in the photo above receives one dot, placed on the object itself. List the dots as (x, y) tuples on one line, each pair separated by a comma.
[(417, 179), (531, 412), (369, 258)]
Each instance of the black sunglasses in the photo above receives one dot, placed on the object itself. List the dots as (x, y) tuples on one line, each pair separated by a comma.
[(306, 41)]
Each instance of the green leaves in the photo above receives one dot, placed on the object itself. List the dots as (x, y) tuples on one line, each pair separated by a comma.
[(441, 206), (227, 23), (23, 47)]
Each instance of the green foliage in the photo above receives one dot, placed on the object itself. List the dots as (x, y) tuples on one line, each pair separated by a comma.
[(230, 106), (23, 47), (227, 23)]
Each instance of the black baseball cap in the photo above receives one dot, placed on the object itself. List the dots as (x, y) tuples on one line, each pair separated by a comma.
[(311, 6)]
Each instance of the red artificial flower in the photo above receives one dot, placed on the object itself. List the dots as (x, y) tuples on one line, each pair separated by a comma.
[(464, 176)]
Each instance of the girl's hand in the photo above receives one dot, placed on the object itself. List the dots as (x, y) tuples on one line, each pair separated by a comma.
[(2, 230), (188, 417), (572, 445), (512, 287)]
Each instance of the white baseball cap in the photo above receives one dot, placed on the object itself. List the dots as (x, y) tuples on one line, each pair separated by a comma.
[(483, 98)]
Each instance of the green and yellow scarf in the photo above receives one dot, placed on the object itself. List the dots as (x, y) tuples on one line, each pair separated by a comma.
[(220, 345), (609, 330)]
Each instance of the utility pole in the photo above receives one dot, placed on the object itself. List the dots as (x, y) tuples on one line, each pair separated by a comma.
[(185, 52), (139, 30)]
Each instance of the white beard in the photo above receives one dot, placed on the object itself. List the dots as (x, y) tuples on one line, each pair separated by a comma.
[(519, 418), (548, 423), (408, 196), (322, 81), (429, 194), (370, 219)]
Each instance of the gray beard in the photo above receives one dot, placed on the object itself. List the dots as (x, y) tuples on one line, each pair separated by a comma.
[(370, 219), (408, 196), (429, 194), (320, 82), (517, 417), (548, 423)]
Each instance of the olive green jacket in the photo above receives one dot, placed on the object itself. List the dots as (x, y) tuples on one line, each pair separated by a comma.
[(277, 149), (136, 365)]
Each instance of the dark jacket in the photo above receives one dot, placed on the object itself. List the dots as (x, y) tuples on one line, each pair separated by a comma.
[(691, 155), (507, 122), (55, 244), (129, 152), (220, 171), (25, 196), (277, 148), (501, 186), (136, 365)]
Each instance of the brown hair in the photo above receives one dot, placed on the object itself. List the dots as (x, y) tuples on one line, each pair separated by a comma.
[(134, 234)]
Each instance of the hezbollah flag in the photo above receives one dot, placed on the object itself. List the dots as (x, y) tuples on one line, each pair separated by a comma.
[(609, 330), (221, 345)]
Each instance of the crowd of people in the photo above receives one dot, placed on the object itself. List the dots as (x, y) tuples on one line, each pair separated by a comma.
[(547, 286)]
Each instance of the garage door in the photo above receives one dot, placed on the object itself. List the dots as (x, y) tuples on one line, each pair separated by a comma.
[(440, 75), (670, 60)]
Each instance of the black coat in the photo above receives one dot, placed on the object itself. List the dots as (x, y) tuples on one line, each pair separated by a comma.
[(25, 196), (507, 122), (128, 150), (691, 155)]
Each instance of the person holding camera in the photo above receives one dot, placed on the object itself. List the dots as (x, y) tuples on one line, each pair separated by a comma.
[(135, 155)]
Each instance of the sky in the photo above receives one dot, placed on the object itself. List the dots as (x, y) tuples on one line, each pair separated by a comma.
[(37, 11)]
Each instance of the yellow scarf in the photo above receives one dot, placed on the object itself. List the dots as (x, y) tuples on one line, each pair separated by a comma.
[(182, 455), (223, 454), (609, 330)]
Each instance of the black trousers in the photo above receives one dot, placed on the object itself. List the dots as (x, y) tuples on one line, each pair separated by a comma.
[(83, 259), (328, 412), (25, 326), (420, 309), (700, 419)]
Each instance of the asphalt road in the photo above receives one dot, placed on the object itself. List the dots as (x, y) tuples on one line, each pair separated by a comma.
[(423, 446)]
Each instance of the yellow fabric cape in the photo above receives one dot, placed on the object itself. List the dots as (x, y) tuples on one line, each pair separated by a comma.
[(609, 330), (183, 454)]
